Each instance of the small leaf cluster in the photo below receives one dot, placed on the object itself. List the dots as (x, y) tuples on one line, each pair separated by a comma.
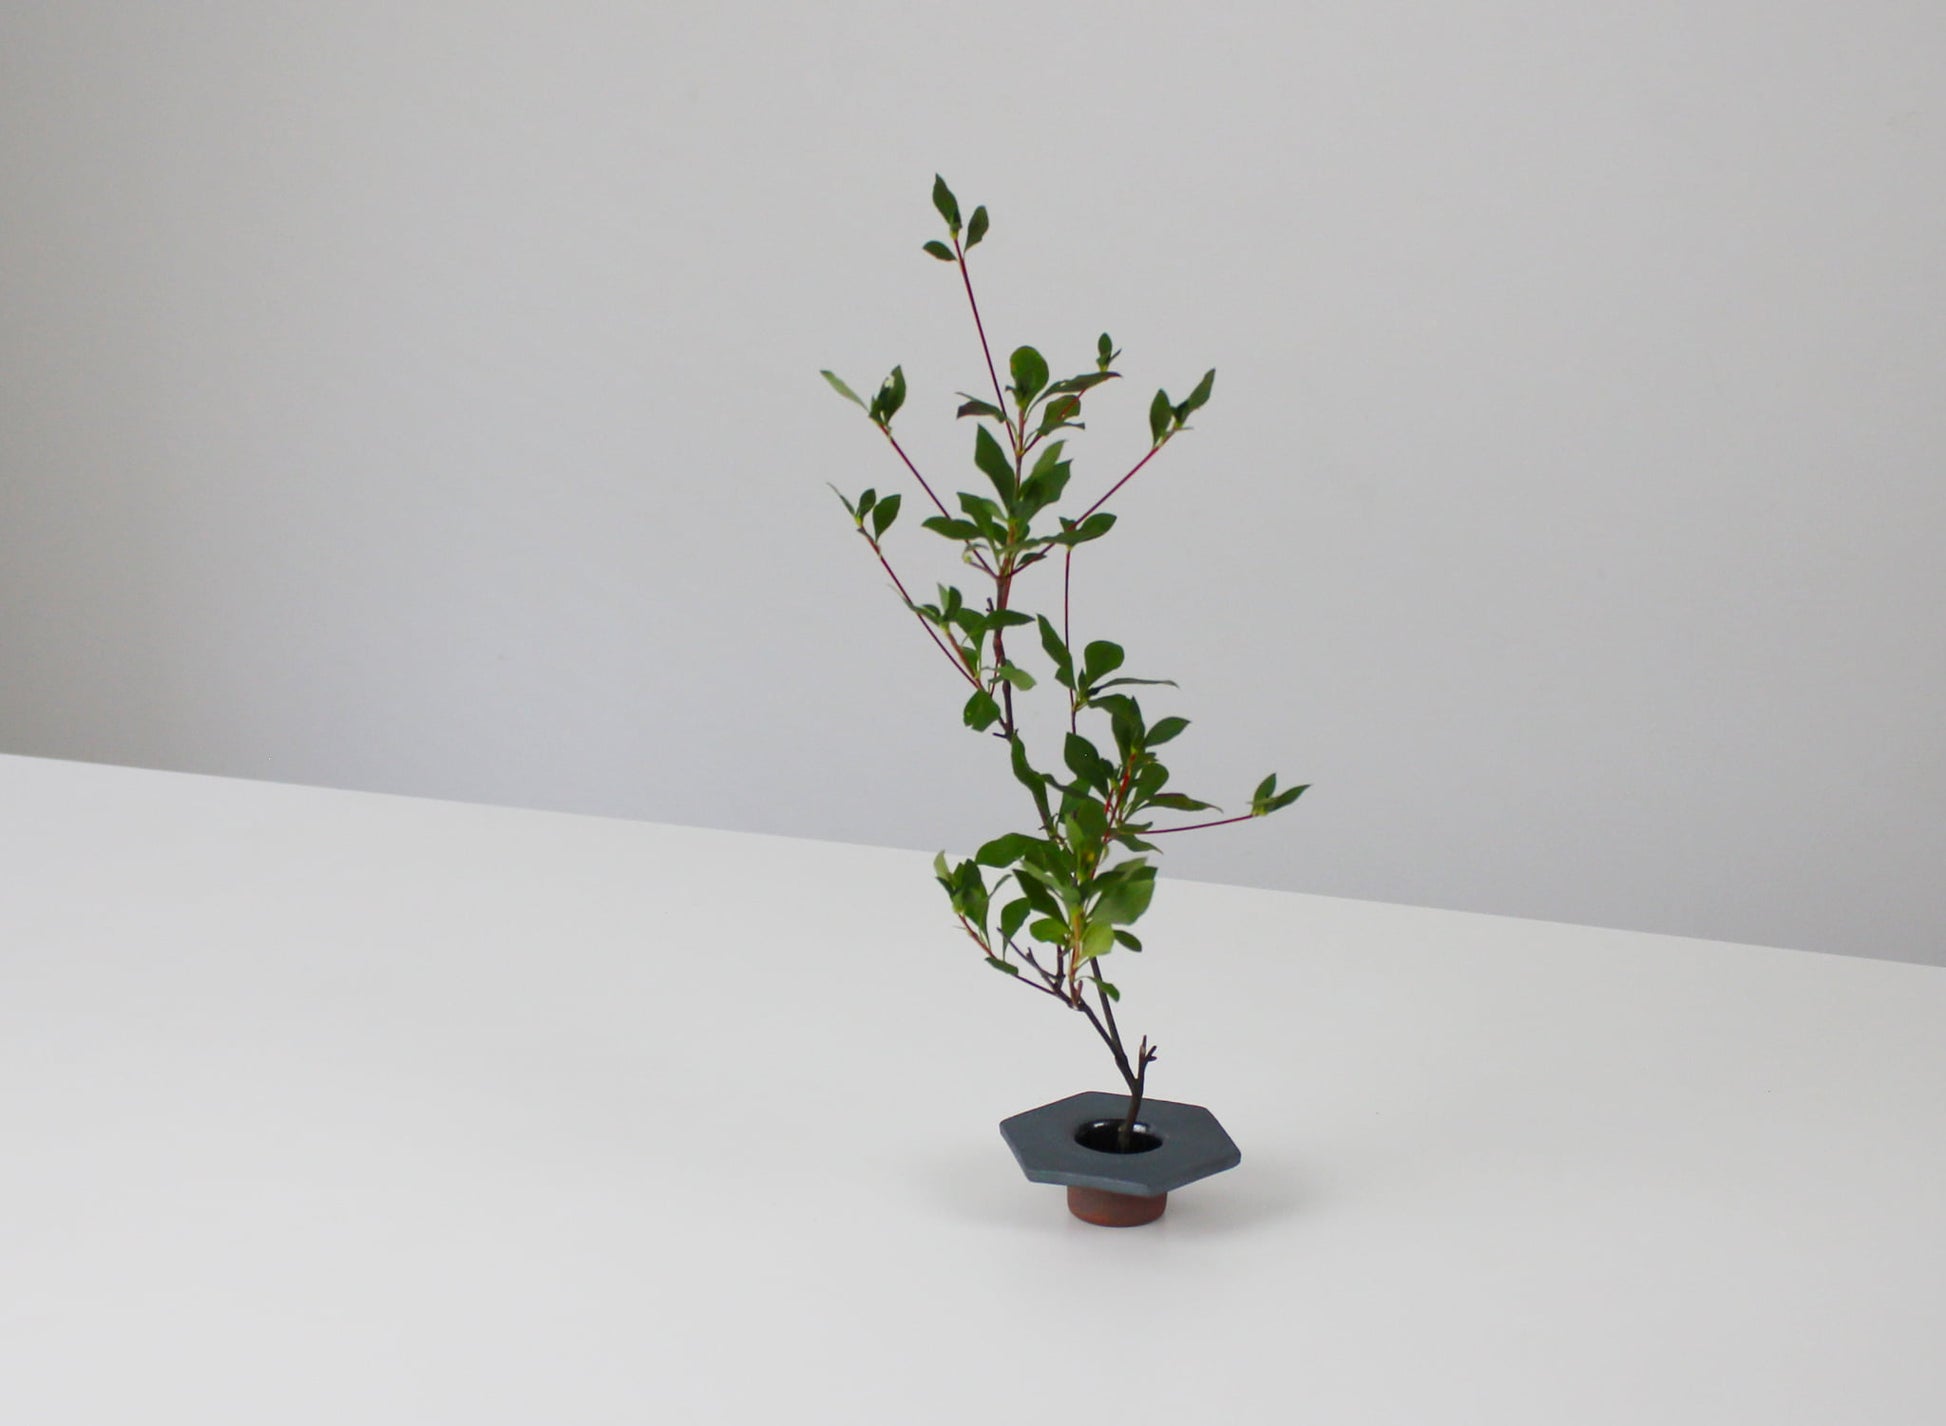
[(884, 405)]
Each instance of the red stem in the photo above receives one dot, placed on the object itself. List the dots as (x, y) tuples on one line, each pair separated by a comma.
[(916, 476), (1196, 826), (979, 558), (1067, 631), (993, 374), (957, 662), (1119, 484)]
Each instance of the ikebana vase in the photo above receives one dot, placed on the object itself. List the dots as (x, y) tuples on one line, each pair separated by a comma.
[(1073, 1142)]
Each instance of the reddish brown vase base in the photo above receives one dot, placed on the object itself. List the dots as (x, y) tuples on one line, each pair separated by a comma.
[(1114, 1210)]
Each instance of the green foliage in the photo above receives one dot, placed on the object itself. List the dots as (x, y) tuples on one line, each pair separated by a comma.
[(1080, 871), (891, 396), (1161, 413), (943, 200), (843, 390), (1029, 370), (1165, 729), (1267, 799), (993, 462), (982, 711)]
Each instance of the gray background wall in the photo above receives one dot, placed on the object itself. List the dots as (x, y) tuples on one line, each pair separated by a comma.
[(422, 397)]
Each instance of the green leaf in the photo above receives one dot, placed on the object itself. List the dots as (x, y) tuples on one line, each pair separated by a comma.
[(1029, 370), (850, 509), (1090, 821), (1201, 394), (1050, 929), (1059, 882), (1105, 352), (981, 712), (943, 200), (952, 529), (972, 621), (1092, 528), (976, 227), (1264, 789), (1165, 729), (1177, 802), (1060, 413), (1145, 682), (843, 390), (970, 893), (1161, 413), (993, 463), (1006, 966), (1099, 658), (883, 514), (1077, 384), (1107, 988), (1008, 618), (1124, 715), (1086, 762), (973, 406), (1049, 476), (1127, 898), (1035, 782), (1285, 798), (1013, 916), (1005, 850), (1127, 938), (940, 251), (1097, 939), (891, 396), (1018, 677), (1150, 777), (1056, 651), (1041, 899), (979, 508)]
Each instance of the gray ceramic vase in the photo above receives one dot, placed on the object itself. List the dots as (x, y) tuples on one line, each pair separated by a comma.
[(1183, 1142)]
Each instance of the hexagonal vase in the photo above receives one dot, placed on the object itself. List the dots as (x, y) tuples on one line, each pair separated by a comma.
[(1111, 1189)]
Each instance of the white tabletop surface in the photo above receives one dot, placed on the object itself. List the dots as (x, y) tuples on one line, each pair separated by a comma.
[(329, 1107)]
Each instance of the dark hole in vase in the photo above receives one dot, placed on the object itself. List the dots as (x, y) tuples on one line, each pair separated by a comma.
[(1104, 1136)]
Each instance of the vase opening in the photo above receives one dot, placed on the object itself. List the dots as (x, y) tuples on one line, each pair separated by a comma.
[(1104, 1136)]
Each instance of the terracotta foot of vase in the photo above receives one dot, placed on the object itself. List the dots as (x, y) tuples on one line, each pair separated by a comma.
[(1114, 1210)]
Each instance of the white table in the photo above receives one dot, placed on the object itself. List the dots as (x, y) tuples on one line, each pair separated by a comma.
[(328, 1107)]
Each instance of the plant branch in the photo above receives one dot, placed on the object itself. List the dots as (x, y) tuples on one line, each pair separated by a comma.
[(1107, 1006), (959, 665), (1067, 634), (1113, 1042), (987, 946), (1196, 826), (993, 374), (930, 495), (1003, 590), (1120, 483), (1040, 970), (893, 441)]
